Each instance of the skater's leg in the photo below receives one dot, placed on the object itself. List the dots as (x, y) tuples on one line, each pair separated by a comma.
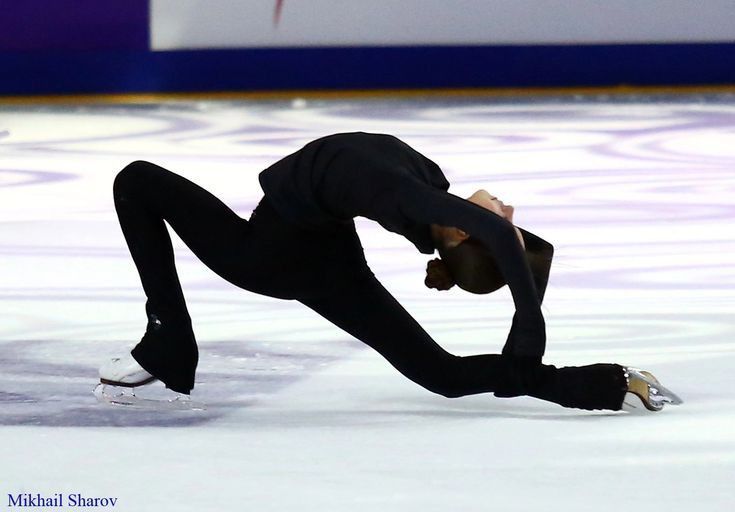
[(371, 314), (145, 195)]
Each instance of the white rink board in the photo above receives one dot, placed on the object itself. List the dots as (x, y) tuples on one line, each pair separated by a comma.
[(200, 24)]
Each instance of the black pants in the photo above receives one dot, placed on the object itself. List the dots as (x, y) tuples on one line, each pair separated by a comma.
[(323, 269)]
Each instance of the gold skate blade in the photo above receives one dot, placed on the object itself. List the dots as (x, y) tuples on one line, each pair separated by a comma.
[(633, 403), (644, 385), (640, 389), (669, 396)]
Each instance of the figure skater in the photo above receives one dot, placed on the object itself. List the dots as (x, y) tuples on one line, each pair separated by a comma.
[(300, 244)]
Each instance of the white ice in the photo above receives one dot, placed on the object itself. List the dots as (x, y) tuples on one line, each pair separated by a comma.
[(636, 194)]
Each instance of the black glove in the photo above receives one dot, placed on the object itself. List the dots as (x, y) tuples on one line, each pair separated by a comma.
[(527, 336)]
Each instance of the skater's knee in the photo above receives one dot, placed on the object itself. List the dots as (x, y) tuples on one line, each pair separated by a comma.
[(132, 176), (132, 173)]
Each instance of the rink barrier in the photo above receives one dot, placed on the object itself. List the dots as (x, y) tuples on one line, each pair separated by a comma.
[(330, 69), (360, 94)]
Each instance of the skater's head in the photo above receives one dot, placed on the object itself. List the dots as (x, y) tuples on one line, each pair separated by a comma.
[(466, 262), (469, 265), (450, 237)]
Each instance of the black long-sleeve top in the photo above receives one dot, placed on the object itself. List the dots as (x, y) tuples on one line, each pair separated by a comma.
[(336, 178)]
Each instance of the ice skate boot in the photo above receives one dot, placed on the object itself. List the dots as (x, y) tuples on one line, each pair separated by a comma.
[(644, 390), (124, 372), (121, 375)]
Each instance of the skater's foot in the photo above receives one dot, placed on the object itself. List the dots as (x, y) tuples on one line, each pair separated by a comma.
[(124, 372), (168, 351), (646, 391)]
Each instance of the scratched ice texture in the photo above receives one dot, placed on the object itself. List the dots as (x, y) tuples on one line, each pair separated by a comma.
[(635, 192)]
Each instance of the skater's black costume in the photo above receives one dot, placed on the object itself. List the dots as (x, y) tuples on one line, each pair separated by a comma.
[(300, 243)]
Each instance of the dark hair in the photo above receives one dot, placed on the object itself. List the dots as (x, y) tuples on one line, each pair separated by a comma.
[(473, 268), (438, 275)]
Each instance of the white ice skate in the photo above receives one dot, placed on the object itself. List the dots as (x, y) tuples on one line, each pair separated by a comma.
[(121, 375), (124, 372), (645, 391)]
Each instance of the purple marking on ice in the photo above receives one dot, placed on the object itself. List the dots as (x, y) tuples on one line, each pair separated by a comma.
[(681, 277), (174, 124), (29, 178), (233, 375), (653, 150)]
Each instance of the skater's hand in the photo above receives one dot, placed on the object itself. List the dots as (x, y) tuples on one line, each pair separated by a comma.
[(437, 275)]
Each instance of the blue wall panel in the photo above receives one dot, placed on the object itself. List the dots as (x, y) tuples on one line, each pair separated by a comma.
[(367, 67)]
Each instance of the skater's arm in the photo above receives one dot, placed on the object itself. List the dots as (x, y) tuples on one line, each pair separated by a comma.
[(540, 253), (427, 205)]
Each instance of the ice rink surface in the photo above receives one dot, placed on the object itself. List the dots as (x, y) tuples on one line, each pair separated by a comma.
[(637, 194)]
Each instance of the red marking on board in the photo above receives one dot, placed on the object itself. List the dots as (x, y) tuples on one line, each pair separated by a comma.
[(277, 13)]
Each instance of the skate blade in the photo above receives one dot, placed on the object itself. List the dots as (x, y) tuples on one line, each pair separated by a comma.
[(126, 397), (634, 404), (666, 395), (645, 390)]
